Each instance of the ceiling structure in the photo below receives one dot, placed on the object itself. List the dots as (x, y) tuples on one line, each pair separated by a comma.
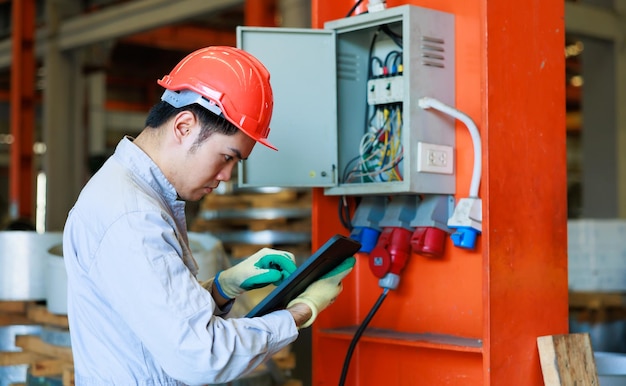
[(143, 37), (135, 59)]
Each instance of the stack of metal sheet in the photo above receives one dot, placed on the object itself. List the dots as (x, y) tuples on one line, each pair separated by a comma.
[(23, 264), (23, 277)]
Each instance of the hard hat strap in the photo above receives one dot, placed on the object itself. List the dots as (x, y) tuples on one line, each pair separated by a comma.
[(184, 98)]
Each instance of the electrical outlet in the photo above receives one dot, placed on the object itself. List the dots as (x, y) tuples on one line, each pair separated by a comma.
[(433, 158)]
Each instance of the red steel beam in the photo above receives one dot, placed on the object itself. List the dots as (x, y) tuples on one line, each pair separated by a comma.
[(260, 13), (22, 109), (183, 38)]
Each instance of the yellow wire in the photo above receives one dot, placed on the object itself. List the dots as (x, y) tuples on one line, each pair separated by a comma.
[(393, 174), (385, 116)]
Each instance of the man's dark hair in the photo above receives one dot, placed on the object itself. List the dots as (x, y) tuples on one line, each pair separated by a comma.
[(209, 122)]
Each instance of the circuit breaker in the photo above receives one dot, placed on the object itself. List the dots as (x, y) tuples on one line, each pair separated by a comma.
[(346, 113)]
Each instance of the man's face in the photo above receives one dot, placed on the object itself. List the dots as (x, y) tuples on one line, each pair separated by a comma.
[(203, 166)]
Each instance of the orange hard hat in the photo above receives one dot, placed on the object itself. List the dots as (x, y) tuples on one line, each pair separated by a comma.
[(227, 81)]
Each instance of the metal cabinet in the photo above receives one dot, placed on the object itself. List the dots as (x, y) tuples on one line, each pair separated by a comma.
[(340, 101)]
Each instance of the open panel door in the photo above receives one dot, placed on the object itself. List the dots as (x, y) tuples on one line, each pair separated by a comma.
[(302, 68)]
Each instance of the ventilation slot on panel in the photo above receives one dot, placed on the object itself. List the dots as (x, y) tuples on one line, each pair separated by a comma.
[(347, 67), (432, 52)]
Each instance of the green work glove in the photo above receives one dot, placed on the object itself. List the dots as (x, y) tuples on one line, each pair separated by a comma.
[(321, 293), (267, 266)]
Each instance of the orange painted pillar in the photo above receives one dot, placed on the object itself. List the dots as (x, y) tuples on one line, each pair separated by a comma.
[(472, 317), (526, 240), (260, 13), (21, 171)]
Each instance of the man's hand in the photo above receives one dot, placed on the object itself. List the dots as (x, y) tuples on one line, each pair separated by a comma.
[(267, 266), (322, 292)]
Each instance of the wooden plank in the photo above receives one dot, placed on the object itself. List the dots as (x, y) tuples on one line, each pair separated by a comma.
[(14, 319), (287, 362), (282, 353), (241, 251), (34, 344), (48, 367), (281, 199), (68, 376), (261, 225), (13, 313), (40, 314), (13, 358), (567, 359), (14, 307), (273, 200)]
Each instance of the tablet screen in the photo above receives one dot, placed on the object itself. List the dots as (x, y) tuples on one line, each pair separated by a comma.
[(327, 257)]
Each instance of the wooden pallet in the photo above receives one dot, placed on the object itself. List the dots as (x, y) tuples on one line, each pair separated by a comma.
[(14, 312), (47, 360), (43, 359)]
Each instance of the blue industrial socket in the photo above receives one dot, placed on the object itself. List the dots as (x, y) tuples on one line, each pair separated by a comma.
[(366, 236), (465, 237)]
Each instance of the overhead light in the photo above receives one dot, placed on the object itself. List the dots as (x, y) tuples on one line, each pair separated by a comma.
[(574, 49), (576, 81), (6, 139), (39, 148)]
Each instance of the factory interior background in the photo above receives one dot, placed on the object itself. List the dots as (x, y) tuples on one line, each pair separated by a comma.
[(556, 202)]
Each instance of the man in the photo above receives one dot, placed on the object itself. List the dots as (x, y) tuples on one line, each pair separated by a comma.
[(137, 314)]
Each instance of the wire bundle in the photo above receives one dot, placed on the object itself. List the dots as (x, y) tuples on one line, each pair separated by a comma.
[(380, 149)]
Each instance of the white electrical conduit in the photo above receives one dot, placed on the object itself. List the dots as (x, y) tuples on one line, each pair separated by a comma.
[(427, 102)]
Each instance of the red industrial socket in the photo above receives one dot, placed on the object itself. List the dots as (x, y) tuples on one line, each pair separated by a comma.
[(429, 241), (391, 251)]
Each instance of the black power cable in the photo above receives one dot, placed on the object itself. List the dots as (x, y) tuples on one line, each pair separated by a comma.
[(344, 213), (397, 38), (354, 8), (357, 335)]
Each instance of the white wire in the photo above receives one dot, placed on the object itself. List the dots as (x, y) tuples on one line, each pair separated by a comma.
[(367, 141), (368, 144), (427, 102), (374, 173)]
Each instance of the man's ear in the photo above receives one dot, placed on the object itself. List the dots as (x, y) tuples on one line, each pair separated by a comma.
[(184, 122)]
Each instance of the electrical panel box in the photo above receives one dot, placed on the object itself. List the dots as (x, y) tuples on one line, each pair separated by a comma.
[(346, 114)]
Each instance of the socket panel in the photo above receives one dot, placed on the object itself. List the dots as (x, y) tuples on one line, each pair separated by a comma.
[(385, 90), (433, 158)]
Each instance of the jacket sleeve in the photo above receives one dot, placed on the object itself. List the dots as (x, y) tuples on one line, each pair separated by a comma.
[(141, 273)]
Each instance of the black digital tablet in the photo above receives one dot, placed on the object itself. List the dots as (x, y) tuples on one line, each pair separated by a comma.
[(327, 257)]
